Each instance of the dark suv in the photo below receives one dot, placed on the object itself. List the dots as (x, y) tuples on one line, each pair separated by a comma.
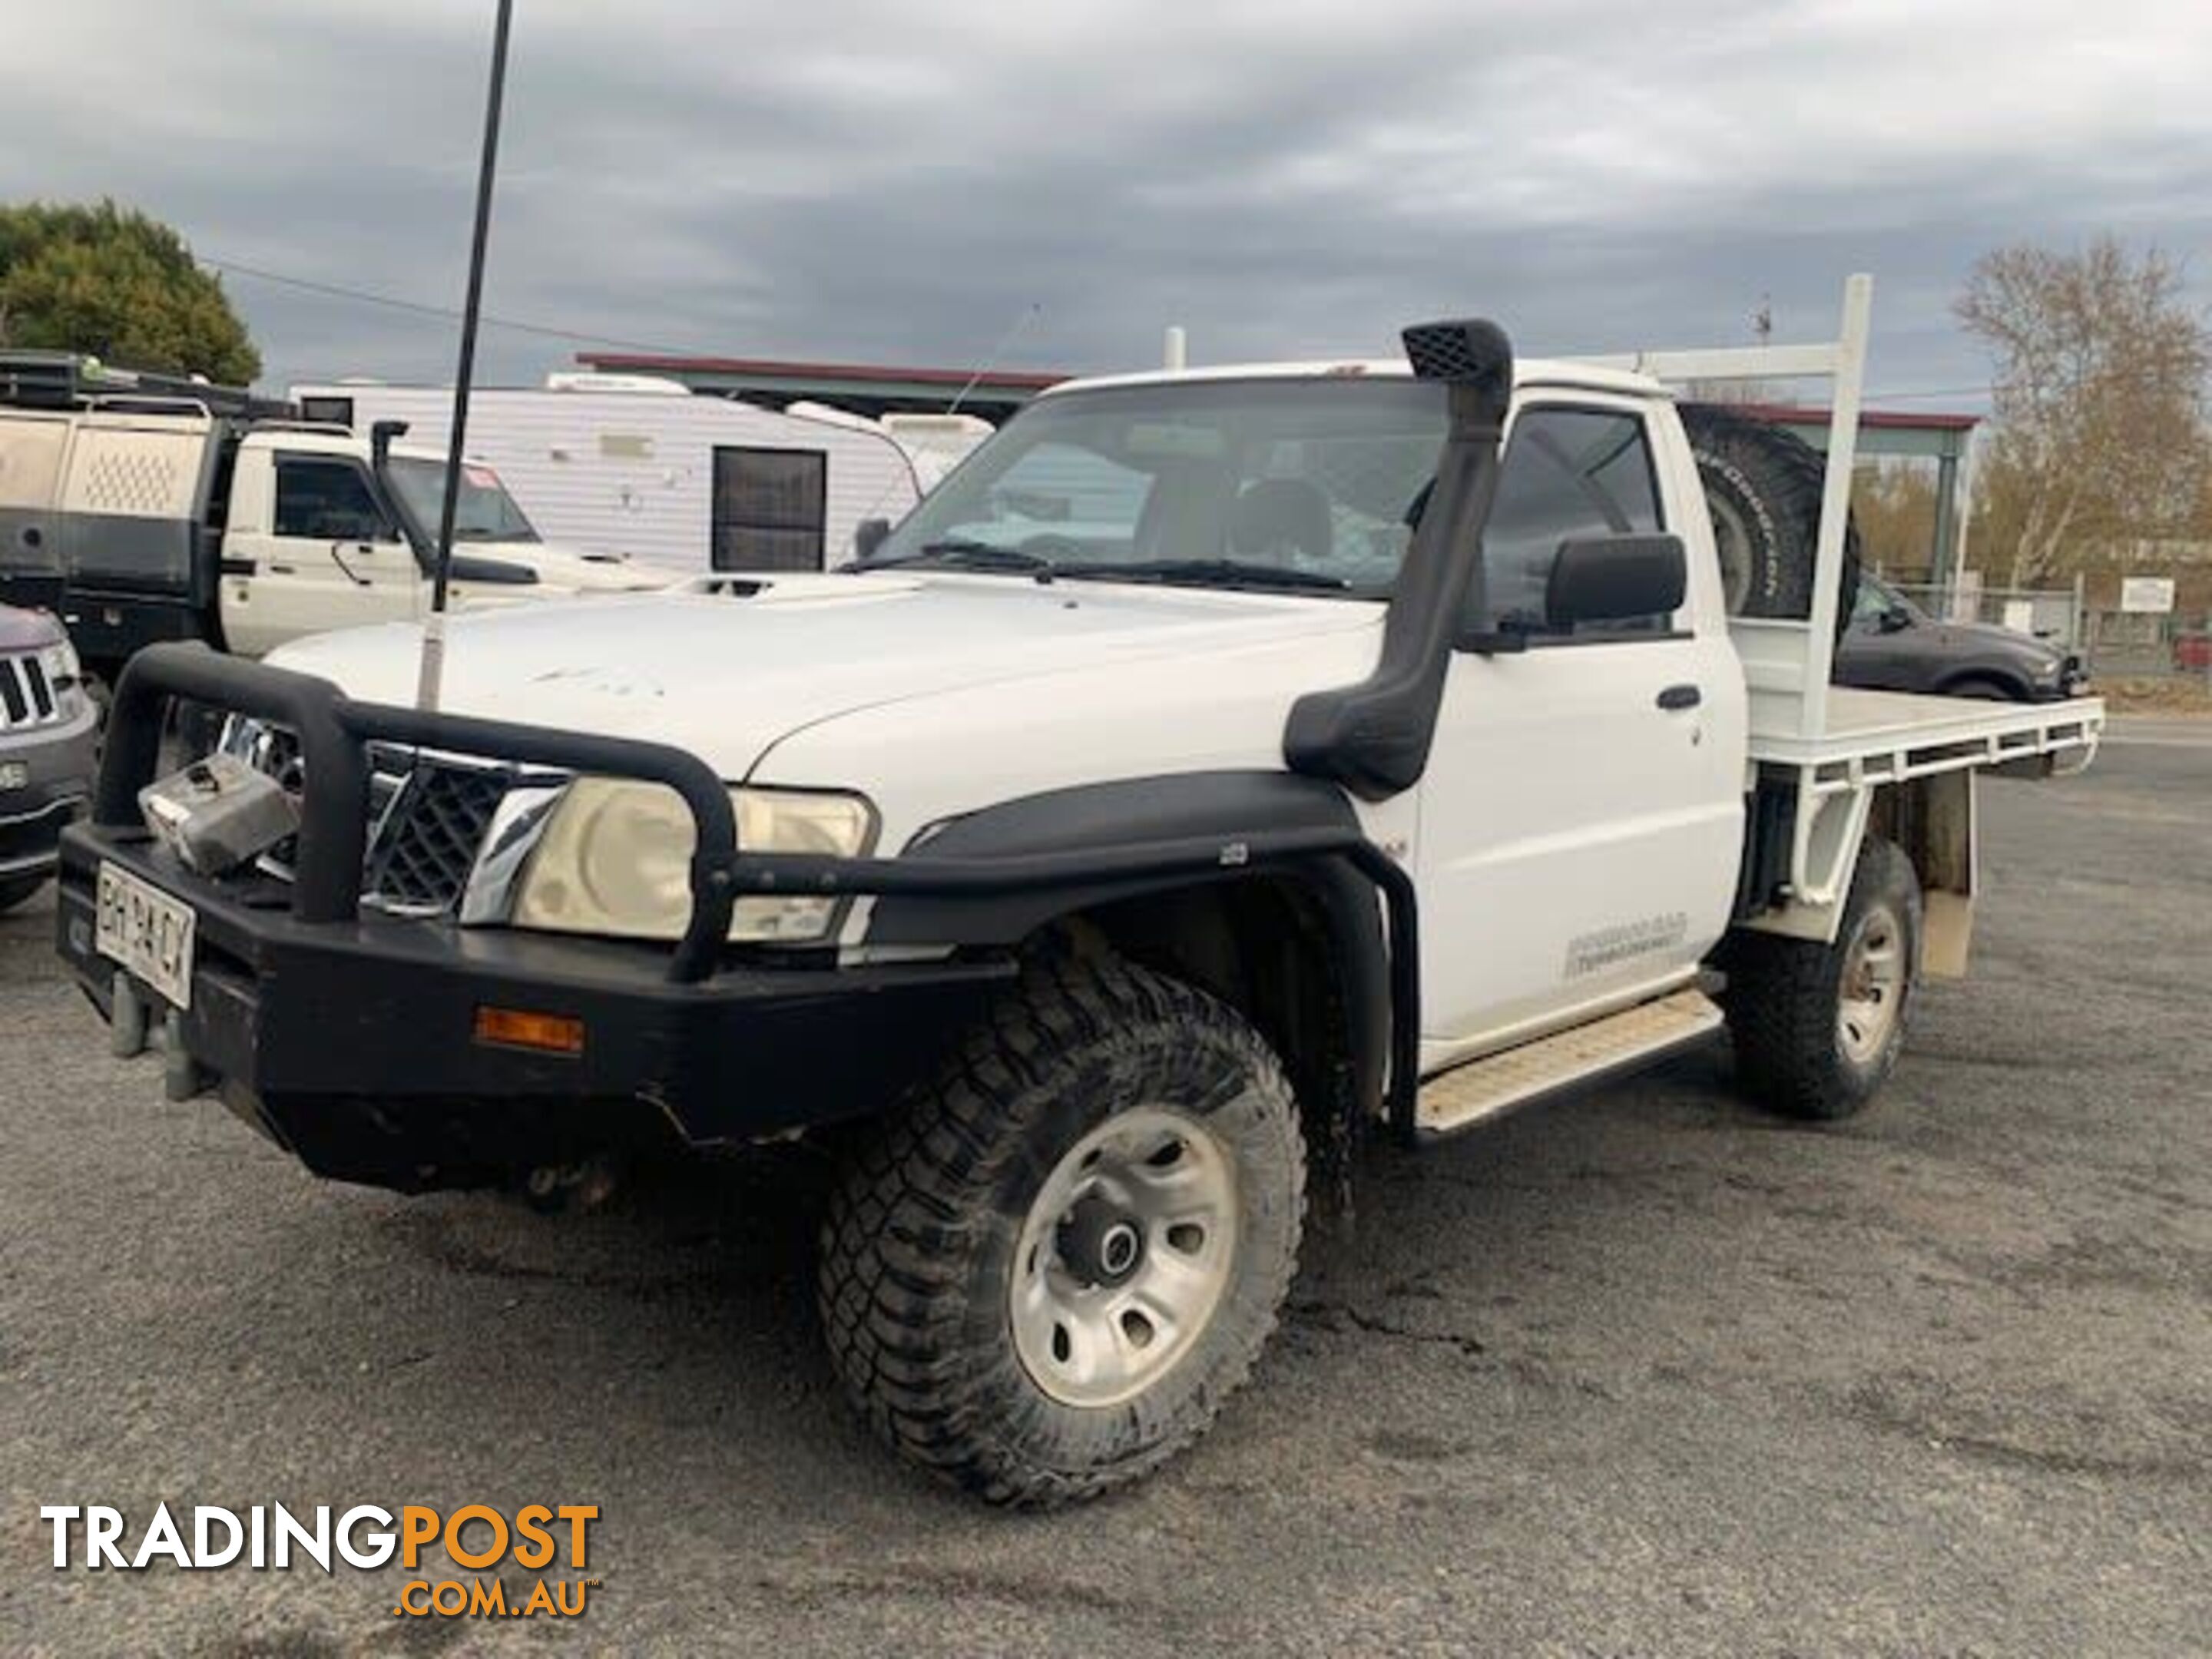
[(46, 722), (1892, 645)]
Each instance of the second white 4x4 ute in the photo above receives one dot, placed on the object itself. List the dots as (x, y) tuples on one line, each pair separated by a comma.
[(1217, 768)]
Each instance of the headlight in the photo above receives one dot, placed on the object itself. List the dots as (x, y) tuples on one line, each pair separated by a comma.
[(2049, 671), (615, 860)]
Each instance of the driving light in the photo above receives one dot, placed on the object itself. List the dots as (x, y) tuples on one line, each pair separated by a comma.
[(615, 860)]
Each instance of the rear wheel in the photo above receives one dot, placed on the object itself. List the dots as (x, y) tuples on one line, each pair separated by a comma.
[(1042, 1280), (1763, 488), (1818, 1027)]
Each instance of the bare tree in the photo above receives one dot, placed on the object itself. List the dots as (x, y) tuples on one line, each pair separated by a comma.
[(1893, 504), (2099, 437)]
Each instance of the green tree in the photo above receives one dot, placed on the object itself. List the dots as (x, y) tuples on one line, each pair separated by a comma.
[(110, 281)]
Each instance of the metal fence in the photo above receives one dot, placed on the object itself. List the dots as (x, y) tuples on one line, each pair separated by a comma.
[(2129, 643), (2055, 614)]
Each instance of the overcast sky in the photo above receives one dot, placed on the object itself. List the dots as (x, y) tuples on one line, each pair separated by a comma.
[(856, 179)]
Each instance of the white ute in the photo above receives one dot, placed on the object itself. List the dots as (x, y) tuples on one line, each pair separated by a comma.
[(142, 509), (1218, 767)]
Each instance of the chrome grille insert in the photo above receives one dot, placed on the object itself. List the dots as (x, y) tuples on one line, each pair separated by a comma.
[(426, 842), (27, 697)]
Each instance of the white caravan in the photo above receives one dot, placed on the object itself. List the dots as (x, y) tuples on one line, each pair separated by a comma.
[(642, 466)]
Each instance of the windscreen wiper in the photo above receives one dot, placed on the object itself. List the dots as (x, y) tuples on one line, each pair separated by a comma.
[(1208, 573), (962, 553)]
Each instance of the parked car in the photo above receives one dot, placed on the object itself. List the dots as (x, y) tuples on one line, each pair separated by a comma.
[(46, 748), (1892, 645), (140, 508)]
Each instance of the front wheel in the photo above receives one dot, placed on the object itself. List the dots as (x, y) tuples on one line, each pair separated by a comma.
[(1817, 1027), (1042, 1279)]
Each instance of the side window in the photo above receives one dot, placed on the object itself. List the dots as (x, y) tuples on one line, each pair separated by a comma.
[(1568, 473), (1872, 605), (770, 509), (320, 498)]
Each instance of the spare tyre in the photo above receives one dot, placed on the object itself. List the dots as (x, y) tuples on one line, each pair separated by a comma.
[(1763, 487)]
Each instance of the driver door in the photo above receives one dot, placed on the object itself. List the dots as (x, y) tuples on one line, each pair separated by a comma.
[(1582, 812), (332, 557)]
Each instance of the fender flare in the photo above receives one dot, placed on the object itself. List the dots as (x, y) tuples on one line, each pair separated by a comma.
[(1347, 901)]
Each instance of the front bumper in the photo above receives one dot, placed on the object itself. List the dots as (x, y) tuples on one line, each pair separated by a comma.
[(354, 1044), (352, 1036), (2073, 682), (55, 764)]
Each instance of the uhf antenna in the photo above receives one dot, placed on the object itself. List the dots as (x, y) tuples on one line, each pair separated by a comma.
[(1021, 321), (433, 625)]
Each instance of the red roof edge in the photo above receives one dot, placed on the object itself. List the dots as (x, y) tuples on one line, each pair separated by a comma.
[(1891, 419), (647, 363)]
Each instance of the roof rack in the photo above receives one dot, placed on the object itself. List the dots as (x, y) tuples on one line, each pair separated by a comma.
[(71, 379)]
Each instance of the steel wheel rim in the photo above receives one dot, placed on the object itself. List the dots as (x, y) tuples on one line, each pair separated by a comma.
[(1732, 543), (1161, 1182), (1872, 992)]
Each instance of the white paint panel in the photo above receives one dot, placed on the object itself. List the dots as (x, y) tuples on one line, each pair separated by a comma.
[(31, 450)]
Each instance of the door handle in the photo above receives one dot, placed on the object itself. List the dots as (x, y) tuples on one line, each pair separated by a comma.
[(1680, 697)]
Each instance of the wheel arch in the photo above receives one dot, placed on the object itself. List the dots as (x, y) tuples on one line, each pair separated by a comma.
[(2014, 687), (1301, 954), (1299, 947)]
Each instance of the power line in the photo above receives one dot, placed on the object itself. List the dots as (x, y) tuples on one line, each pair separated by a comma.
[(445, 314)]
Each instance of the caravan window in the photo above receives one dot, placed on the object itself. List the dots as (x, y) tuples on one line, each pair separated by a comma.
[(770, 509)]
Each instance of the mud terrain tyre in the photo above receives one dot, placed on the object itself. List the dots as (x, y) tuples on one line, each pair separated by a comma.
[(1041, 1279), (1763, 487), (1818, 1027)]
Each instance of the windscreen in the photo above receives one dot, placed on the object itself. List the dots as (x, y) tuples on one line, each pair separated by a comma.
[(483, 511), (1313, 482)]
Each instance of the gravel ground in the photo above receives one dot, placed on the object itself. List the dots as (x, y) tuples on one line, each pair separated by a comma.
[(1643, 1373)]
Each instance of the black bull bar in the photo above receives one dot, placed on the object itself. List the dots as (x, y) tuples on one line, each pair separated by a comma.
[(334, 732)]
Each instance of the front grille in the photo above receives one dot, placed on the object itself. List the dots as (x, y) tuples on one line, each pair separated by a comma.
[(427, 817), (426, 842), (27, 697)]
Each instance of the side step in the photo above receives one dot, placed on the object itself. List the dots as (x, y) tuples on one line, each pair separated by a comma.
[(1485, 1089)]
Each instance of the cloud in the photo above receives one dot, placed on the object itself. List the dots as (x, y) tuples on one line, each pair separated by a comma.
[(870, 181)]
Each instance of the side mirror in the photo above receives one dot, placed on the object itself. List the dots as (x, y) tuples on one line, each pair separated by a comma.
[(868, 535), (1598, 579), (1896, 619)]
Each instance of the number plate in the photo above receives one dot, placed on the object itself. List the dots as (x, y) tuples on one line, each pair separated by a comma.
[(147, 931)]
